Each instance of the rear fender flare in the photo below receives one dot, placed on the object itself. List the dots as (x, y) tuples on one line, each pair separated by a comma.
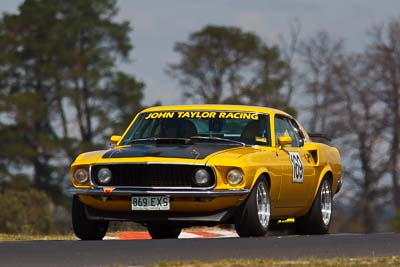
[(326, 171)]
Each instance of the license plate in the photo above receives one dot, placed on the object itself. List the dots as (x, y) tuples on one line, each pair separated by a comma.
[(150, 203)]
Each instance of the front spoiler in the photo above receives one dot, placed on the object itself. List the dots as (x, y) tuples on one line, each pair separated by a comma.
[(184, 218), (130, 192)]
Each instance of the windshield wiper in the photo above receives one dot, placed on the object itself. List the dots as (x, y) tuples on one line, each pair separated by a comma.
[(143, 140), (167, 140), (160, 140), (217, 139)]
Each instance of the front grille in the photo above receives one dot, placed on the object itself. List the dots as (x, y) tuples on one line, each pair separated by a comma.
[(152, 175)]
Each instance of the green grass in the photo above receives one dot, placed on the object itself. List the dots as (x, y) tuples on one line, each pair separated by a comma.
[(28, 237), (336, 262)]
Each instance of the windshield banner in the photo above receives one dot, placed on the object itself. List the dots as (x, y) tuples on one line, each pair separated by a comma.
[(201, 115)]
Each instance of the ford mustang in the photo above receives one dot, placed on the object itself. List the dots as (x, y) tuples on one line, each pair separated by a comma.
[(204, 165)]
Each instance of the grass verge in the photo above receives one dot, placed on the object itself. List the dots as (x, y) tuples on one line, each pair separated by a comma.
[(28, 237), (335, 262)]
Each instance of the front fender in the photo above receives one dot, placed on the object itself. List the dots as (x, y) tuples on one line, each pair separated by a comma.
[(261, 171), (274, 183)]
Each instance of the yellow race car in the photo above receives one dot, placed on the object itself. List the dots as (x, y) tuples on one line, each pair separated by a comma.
[(183, 166)]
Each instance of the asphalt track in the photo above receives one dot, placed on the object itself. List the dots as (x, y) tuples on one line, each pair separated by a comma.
[(140, 252)]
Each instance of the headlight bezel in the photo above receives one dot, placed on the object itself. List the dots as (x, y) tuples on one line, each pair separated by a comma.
[(104, 170), (201, 172), (81, 171), (235, 176)]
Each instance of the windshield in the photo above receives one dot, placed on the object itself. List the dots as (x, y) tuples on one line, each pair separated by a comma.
[(201, 126)]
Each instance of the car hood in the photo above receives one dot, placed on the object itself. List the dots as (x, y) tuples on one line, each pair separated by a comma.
[(196, 151)]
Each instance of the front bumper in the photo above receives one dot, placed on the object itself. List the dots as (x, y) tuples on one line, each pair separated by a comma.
[(184, 218), (130, 192), (205, 207)]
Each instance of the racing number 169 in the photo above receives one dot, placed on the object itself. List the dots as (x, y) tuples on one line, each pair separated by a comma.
[(297, 165)]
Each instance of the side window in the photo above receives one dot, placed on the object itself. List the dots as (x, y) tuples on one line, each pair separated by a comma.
[(257, 132), (299, 134), (284, 127)]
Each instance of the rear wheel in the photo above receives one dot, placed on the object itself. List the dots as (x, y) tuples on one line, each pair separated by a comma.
[(318, 219), (163, 230), (84, 228), (253, 217)]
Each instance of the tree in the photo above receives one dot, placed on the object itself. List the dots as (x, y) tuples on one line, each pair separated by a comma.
[(319, 54), (265, 89), (344, 104), (93, 42), (26, 61), (222, 64), (124, 92), (59, 85), (289, 50), (359, 120), (384, 55)]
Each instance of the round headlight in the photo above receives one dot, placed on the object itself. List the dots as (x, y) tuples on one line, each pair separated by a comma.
[(235, 176), (201, 177), (104, 175), (81, 176)]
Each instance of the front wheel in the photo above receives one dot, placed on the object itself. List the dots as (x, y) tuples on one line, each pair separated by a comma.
[(163, 230), (84, 228), (318, 219), (253, 217)]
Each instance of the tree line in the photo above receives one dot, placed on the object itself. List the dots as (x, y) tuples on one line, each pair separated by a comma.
[(60, 90), (61, 93)]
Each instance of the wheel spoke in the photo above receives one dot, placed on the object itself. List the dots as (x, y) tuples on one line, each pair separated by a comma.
[(263, 206), (326, 202)]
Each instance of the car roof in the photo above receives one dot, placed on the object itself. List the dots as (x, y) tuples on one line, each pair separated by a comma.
[(213, 107)]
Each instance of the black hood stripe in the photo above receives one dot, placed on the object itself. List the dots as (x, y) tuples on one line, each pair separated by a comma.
[(198, 151)]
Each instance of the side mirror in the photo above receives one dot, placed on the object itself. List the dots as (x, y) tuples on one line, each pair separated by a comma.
[(284, 140), (114, 139)]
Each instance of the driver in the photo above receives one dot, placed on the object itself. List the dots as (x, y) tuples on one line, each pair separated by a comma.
[(169, 128)]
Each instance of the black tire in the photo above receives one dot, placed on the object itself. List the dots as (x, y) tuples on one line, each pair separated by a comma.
[(84, 228), (318, 219), (248, 222), (162, 230)]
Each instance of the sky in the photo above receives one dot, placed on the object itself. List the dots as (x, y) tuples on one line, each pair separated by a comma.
[(159, 24)]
